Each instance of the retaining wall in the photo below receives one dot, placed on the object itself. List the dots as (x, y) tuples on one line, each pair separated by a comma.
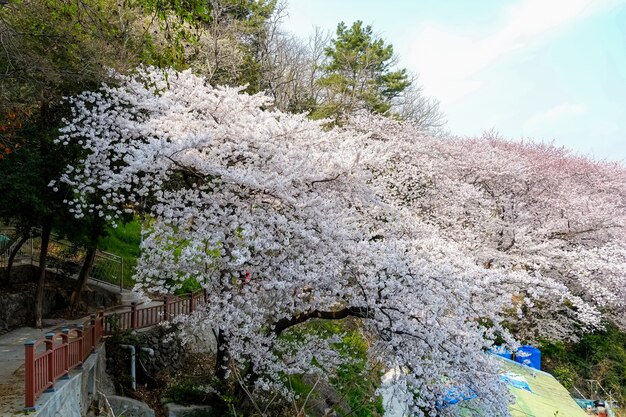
[(17, 304), (72, 397)]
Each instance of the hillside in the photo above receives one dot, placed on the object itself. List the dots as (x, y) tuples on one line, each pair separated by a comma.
[(308, 194)]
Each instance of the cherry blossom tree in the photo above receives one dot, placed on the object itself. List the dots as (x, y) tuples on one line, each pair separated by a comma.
[(558, 218), (555, 215), (282, 221)]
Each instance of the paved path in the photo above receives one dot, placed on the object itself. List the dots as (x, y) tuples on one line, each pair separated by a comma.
[(12, 349), (12, 362)]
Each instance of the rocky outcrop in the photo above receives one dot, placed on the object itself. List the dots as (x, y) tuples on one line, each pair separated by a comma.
[(17, 303), (129, 407)]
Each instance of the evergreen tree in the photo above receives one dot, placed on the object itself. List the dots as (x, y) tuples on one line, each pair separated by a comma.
[(359, 74), (50, 49)]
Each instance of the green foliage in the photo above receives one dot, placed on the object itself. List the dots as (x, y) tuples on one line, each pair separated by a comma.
[(25, 174), (598, 356), (21, 181), (124, 241), (187, 392), (117, 335), (359, 74), (53, 48), (185, 27), (118, 364), (199, 413), (188, 286), (298, 386), (199, 13), (194, 12), (191, 391), (565, 375), (354, 380)]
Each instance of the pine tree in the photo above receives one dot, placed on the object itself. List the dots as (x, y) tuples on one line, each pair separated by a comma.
[(359, 74)]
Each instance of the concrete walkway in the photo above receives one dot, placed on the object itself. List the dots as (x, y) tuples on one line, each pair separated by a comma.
[(12, 358), (12, 362)]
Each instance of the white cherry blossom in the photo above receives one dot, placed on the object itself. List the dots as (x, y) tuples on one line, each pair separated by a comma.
[(433, 244)]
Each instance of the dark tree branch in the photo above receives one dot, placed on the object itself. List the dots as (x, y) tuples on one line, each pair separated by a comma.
[(14, 252), (325, 180), (283, 324)]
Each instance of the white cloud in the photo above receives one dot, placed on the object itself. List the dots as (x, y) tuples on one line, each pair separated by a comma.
[(555, 115), (449, 61)]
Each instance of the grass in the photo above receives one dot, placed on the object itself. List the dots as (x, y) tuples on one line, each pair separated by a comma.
[(124, 241)]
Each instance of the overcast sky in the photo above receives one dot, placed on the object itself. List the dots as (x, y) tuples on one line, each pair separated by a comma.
[(552, 70)]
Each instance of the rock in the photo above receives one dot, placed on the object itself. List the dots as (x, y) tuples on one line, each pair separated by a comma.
[(129, 408), (176, 410), (324, 396)]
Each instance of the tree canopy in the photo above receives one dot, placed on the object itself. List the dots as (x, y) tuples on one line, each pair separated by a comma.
[(438, 251), (56, 48)]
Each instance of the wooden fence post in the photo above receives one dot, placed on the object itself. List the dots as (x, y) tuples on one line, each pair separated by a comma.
[(166, 315), (92, 322), (51, 362), (100, 325), (29, 375), (65, 337), (133, 315), (81, 343), (191, 303)]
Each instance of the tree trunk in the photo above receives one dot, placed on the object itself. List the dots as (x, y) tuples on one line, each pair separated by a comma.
[(221, 359), (47, 219), (222, 364), (46, 229), (14, 252), (83, 275)]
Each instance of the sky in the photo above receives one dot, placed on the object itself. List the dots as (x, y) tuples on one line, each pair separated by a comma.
[(546, 70)]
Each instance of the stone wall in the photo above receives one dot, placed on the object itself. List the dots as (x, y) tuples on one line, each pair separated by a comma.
[(169, 353), (20, 273), (16, 309), (17, 303), (168, 356)]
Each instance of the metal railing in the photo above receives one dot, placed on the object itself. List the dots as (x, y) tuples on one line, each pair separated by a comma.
[(8, 240), (63, 257), (52, 358)]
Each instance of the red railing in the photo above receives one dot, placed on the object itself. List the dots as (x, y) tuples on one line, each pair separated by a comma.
[(138, 318), (50, 359)]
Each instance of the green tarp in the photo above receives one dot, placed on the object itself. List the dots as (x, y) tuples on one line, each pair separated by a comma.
[(537, 393)]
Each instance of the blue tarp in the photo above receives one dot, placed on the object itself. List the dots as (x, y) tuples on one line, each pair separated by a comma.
[(516, 380)]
